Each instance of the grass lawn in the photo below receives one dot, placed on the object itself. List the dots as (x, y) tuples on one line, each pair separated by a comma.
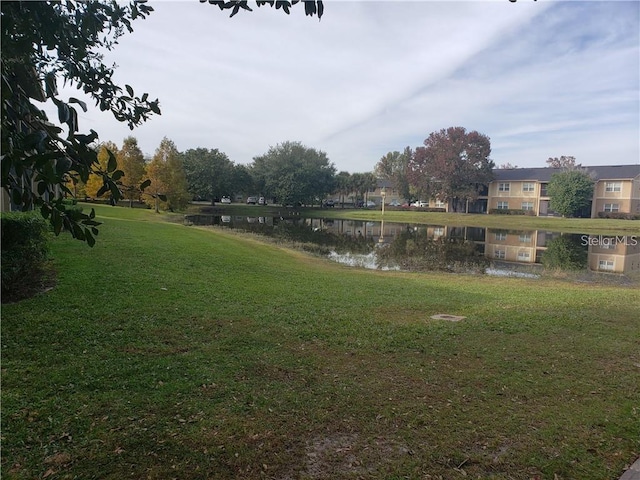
[(176, 352)]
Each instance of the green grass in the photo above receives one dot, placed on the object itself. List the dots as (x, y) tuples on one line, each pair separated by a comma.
[(175, 352)]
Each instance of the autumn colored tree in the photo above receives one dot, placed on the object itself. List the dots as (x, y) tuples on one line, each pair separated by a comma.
[(167, 181), (452, 166), (566, 162), (94, 185), (131, 162)]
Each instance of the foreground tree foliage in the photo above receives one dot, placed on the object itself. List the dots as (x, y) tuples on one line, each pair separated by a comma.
[(571, 192), (291, 173), (452, 166), (93, 186), (44, 43)]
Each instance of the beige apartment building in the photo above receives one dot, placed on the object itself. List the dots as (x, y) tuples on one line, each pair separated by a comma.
[(617, 189)]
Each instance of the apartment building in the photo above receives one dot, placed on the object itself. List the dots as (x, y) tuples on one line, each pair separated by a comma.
[(617, 189)]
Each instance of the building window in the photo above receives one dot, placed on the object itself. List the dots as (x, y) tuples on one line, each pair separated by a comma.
[(500, 236), (524, 256), (543, 190), (500, 254), (527, 205), (525, 238), (605, 265), (504, 187), (528, 187), (613, 187), (503, 205), (611, 207)]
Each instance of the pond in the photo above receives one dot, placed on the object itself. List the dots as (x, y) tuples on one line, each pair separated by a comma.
[(418, 247)]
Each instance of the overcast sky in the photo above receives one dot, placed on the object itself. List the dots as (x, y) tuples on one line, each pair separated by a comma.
[(541, 79)]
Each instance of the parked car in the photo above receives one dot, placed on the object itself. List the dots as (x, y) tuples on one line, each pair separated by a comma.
[(225, 200), (329, 203), (395, 203), (420, 204), (262, 201), (252, 200), (371, 204)]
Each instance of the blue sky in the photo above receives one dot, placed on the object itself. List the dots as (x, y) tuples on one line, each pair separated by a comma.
[(541, 79)]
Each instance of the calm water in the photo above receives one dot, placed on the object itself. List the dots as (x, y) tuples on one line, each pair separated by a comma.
[(400, 246)]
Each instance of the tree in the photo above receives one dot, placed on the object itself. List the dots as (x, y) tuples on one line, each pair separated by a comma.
[(394, 167), (507, 165), (570, 192), (343, 185), (292, 173), (93, 187), (565, 253), (361, 183), (42, 43), (131, 162), (167, 180), (566, 162), (209, 173), (453, 165)]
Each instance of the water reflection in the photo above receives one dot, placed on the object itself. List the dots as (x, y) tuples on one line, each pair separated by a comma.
[(388, 245)]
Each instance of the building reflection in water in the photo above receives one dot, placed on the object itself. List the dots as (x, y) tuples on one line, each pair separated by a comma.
[(614, 254)]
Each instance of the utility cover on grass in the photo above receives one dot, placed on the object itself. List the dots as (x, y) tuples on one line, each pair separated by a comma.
[(446, 316)]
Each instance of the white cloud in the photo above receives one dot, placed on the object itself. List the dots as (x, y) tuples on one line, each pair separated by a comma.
[(559, 78)]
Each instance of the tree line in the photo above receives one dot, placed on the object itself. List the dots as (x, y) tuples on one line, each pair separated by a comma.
[(288, 173)]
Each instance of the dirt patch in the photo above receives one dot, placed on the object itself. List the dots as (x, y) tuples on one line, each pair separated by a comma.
[(340, 454)]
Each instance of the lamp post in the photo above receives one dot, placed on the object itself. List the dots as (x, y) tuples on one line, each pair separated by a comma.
[(383, 193)]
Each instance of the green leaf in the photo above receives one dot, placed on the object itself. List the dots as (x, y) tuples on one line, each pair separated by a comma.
[(129, 90), (63, 112), (112, 165), (82, 104), (145, 184)]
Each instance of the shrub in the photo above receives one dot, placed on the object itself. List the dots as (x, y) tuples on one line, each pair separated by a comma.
[(619, 215), (511, 211), (25, 250)]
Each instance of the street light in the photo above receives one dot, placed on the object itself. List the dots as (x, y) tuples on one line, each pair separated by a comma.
[(384, 194)]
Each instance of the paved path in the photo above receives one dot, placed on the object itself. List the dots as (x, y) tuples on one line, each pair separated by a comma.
[(633, 473)]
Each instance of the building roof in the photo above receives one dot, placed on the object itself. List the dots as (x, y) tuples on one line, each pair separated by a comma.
[(543, 174)]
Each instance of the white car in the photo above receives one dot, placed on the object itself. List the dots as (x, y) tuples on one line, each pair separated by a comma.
[(420, 204), (225, 200), (370, 204)]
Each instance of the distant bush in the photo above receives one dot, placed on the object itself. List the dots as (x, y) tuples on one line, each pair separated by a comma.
[(619, 215), (25, 250), (511, 211)]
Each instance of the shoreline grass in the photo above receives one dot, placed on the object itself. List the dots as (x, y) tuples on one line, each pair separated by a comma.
[(594, 226), (177, 352)]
